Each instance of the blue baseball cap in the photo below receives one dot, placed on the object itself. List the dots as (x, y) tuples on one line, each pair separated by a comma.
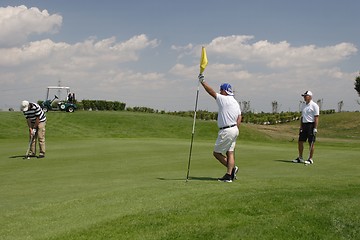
[(227, 88)]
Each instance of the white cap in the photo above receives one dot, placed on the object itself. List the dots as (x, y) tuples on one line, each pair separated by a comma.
[(307, 93), (24, 106)]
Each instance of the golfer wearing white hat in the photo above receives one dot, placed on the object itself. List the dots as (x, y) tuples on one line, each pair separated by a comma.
[(308, 127), (229, 119), (36, 121)]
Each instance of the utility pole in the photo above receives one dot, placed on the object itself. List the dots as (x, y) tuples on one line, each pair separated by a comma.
[(59, 91), (340, 105), (274, 106), (320, 103)]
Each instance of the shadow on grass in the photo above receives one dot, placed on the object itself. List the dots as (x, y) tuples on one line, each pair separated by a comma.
[(22, 156), (203, 178), (284, 161), (190, 178)]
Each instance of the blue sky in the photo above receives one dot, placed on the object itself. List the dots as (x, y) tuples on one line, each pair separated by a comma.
[(146, 53)]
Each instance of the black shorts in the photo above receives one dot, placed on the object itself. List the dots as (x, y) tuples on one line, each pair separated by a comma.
[(306, 132)]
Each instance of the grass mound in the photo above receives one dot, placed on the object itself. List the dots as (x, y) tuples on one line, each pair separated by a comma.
[(83, 124)]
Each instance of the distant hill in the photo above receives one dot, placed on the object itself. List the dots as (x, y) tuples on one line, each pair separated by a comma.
[(123, 124), (342, 127)]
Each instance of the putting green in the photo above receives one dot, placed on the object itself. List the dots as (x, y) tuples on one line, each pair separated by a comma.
[(131, 188)]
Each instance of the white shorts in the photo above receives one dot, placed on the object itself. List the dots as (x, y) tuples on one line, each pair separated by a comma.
[(226, 140)]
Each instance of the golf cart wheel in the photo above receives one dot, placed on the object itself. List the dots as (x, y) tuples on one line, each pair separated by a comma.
[(45, 109), (70, 109)]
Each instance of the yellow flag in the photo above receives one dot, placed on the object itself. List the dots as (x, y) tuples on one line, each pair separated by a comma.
[(203, 60)]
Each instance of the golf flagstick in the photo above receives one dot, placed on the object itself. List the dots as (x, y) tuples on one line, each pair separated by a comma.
[(203, 63), (193, 131)]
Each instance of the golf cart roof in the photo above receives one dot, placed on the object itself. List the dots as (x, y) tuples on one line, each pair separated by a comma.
[(57, 87)]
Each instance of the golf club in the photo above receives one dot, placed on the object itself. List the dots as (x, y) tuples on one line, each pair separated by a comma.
[(30, 142), (28, 149), (311, 147)]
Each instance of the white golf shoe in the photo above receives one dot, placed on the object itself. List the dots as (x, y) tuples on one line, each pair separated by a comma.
[(298, 160), (309, 161)]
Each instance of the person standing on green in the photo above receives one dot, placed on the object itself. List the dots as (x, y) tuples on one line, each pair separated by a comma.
[(229, 119), (309, 122)]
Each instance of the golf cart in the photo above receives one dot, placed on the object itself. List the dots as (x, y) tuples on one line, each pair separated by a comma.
[(67, 105)]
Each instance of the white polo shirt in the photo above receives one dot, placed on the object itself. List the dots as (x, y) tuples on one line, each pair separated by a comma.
[(309, 111), (229, 110)]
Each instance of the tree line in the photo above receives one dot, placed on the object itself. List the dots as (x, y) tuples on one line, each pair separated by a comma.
[(250, 117), (247, 117)]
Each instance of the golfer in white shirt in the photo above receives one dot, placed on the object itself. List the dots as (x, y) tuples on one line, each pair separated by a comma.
[(229, 119), (308, 127)]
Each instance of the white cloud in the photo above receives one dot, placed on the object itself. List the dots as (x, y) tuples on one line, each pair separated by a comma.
[(95, 69), (261, 71), (82, 55), (34, 51), (279, 55), (18, 23), (182, 48)]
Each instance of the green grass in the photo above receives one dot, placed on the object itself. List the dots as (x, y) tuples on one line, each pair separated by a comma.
[(345, 125), (111, 175)]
